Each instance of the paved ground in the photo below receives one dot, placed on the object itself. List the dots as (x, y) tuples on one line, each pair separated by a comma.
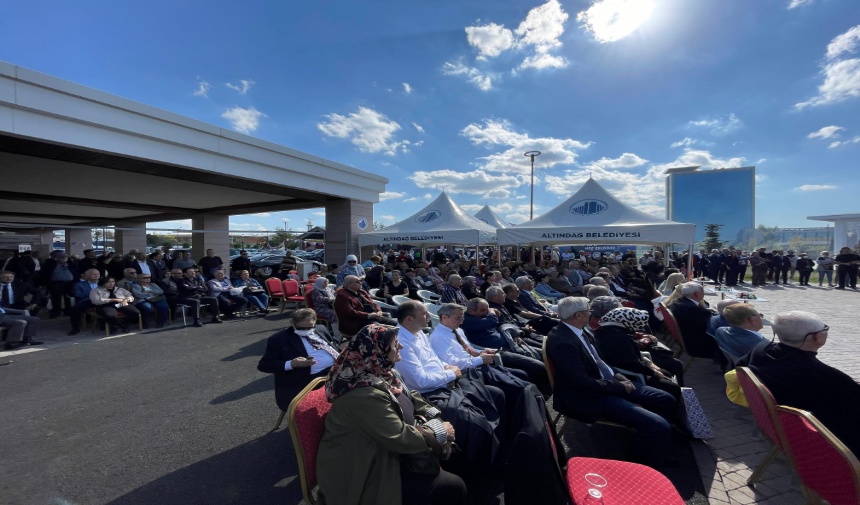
[(166, 415)]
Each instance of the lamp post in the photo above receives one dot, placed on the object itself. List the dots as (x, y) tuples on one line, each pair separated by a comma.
[(532, 155)]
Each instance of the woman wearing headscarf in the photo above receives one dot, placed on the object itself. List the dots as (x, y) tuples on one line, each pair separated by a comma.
[(371, 430), (616, 339), (323, 300), (351, 267)]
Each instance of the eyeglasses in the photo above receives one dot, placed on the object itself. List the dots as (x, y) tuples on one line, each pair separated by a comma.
[(817, 332), (351, 261)]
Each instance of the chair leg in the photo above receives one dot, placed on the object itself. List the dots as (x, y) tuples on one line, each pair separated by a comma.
[(759, 470), (280, 420)]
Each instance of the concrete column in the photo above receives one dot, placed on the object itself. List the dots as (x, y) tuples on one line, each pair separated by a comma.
[(342, 219), (125, 240), (214, 233), (78, 239), (840, 236)]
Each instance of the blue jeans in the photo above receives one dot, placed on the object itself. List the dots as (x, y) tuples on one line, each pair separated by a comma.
[(146, 309), (825, 273), (647, 410), (259, 300)]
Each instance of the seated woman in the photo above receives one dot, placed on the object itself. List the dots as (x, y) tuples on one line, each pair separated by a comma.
[(323, 300), (149, 297), (110, 300), (395, 286), (253, 291), (671, 281), (371, 431), (617, 341)]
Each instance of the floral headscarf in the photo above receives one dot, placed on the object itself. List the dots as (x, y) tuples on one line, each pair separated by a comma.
[(632, 319), (364, 363)]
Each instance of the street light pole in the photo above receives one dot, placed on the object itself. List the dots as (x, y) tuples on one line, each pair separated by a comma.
[(532, 155)]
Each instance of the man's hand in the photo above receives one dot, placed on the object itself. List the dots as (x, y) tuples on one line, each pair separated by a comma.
[(449, 430), (455, 369), (496, 312), (486, 357), (301, 362), (628, 386), (32, 307)]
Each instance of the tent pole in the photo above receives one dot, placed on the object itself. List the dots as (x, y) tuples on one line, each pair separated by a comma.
[(690, 263)]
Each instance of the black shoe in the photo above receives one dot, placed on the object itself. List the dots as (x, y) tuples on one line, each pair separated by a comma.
[(73, 332), (32, 342), (839, 287), (198, 324)]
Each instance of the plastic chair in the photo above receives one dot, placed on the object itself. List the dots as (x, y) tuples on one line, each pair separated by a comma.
[(763, 407), (626, 483), (398, 299), (374, 293), (291, 294), (432, 308), (306, 418), (823, 462), (429, 296)]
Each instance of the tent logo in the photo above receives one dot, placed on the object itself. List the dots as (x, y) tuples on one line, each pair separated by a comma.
[(588, 207), (426, 217)]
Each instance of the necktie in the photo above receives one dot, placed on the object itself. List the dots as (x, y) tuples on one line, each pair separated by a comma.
[(319, 344), (7, 299), (466, 346), (605, 371)]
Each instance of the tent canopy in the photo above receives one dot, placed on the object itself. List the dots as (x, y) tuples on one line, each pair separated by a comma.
[(593, 216), (440, 222), (491, 218)]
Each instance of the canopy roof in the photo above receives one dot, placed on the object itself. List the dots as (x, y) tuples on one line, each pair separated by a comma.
[(440, 222), (491, 218), (593, 216)]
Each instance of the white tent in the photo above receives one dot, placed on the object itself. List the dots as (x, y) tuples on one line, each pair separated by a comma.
[(440, 222), (491, 218), (593, 216)]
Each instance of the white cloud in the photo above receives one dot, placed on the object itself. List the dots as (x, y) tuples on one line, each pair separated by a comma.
[(845, 43), (243, 86), (320, 213), (412, 199), (390, 195), (203, 88), (418, 127), (407, 88), (544, 60), (261, 214), (477, 182), (471, 207), (428, 196), (760, 161), (542, 27), (367, 129), (386, 219), (625, 161), (491, 40), (247, 226), (719, 125), (243, 120), (838, 143), (826, 132), (497, 193), (499, 133), (797, 3), (518, 217), (816, 187), (484, 81), (612, 20), (841, 76)]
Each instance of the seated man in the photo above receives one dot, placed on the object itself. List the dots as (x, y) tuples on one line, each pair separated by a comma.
[(542, 324), (192, 292), (545, 290), (451, 292), (559, 282), (13, 294), (297, 355), (253, 291), (743, 334), (692, 317), (717, 320), (14, 312), (230, 299), (170, 287), (81, 291), (355, 309), (184, 262), (128, 280), (470, 287), (792, 372), (587, 389), (528, 300)]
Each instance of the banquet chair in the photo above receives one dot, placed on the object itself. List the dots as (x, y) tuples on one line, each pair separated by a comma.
[(309, 303), (763, 407), (306, 418), (825, 465), (275, 290), (291, 294), (675, 331), (626, 483)]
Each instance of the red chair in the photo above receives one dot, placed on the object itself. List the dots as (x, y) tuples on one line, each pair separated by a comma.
[(306, 419), (675, 331), (292, 293), (309, 303), (626, 483), (763, 407), (822, 461), (275, 289)]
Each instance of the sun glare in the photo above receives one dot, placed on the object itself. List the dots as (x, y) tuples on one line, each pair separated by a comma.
[(612, 20)]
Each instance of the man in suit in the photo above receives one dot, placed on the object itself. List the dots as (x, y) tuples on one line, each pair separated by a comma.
[(81, 291), (14, 313), (13, 293), (60, 275), (776, 267), (743, 334), (297, 355), (693, 319), (714, 265), (792, 372), (587, 389)]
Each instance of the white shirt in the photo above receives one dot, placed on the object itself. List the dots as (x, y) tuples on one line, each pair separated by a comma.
[(601, 365), (323, 359), (144, 267), (420, 367), (445, 345)]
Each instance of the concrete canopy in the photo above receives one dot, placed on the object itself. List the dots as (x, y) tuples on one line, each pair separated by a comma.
[(74, 156)]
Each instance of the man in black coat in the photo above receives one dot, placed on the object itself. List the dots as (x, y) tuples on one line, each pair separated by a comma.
[(60, 275), (714, 265), (776, 267), (693, 319), (587, 389), (297, 355)]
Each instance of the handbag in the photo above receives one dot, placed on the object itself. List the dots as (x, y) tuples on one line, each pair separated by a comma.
[(155, 299), (697, 421), (427, 462), (734, 391)]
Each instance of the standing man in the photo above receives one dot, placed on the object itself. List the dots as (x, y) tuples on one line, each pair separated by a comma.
[(586, 388), (59, 276), (209, 263), (846, 268)]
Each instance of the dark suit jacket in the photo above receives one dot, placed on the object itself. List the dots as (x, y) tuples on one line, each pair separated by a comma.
[(693, 322), (51, 265), (283, 346), (19, 291), (579, 386)]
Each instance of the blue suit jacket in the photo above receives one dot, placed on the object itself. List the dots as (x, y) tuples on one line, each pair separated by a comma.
[(737, 341)]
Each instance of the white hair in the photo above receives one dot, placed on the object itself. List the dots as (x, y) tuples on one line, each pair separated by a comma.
[(792, 327), (569, 306), (689, 288)]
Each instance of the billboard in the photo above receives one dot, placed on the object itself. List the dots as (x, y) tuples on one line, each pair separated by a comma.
[(724, 196)]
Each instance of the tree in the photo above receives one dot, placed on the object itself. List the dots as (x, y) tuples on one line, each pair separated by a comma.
[(378, 225), (769, 234), (712, 237)]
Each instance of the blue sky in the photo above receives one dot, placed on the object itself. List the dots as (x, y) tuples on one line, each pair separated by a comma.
[(449, 95)]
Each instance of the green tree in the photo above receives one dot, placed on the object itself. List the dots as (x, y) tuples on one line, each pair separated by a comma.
[(712, 237), (769, 234), (378, 225)]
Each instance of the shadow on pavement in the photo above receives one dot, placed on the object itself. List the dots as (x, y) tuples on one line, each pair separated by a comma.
[(263, 384)]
